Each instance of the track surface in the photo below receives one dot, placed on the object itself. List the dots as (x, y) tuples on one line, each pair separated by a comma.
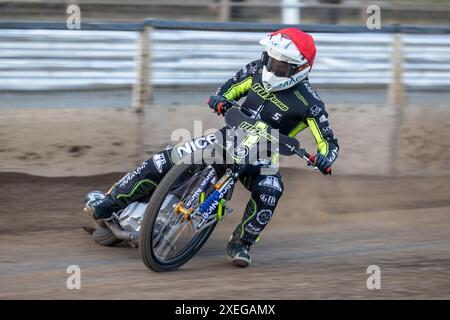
[(323, 236)]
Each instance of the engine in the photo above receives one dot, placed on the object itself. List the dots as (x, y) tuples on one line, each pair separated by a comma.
[(131, 217)]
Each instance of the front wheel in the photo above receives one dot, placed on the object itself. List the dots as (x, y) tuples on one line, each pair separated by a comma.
[(167, 240)]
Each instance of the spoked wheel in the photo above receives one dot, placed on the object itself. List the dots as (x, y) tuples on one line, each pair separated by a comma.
[(167, 239)]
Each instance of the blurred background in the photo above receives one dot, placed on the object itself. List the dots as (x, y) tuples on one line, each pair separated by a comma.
[(90, 88), (265, 11)]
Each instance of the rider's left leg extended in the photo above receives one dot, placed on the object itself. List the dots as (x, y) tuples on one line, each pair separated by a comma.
[(135, 185), (266, 191)]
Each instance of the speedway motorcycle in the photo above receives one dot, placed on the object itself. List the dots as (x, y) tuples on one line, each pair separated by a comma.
[(177, 220)]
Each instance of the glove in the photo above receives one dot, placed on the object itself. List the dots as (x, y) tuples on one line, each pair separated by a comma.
[(218, 104), (322, 163)]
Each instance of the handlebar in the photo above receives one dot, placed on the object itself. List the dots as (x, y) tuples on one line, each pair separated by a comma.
[(310, 159)]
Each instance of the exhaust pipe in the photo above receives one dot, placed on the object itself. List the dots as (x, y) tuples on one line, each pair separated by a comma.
[(122, 234)]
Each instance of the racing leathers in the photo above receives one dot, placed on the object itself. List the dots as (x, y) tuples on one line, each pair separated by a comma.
[(291, 111)]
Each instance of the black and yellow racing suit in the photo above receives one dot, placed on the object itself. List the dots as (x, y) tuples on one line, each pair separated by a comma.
[(291, 111)]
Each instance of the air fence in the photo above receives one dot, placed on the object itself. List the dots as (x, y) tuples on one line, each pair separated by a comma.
[(136, 64)]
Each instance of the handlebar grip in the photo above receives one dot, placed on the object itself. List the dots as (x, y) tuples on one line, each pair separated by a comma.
[(312, 159), (220, 106)]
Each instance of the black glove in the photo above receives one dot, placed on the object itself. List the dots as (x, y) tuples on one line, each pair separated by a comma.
[(218, 104), (322, 163)]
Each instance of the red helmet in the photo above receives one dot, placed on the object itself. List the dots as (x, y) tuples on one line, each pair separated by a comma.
[(290, 56)]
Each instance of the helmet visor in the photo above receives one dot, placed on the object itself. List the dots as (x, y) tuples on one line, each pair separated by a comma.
[(279, 68)]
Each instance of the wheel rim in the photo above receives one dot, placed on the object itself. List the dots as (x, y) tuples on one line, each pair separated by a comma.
[(173, 236)]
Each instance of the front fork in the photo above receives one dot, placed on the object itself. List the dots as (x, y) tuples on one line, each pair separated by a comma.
[(202, 217)]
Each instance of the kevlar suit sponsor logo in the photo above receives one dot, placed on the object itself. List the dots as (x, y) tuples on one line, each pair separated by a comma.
[(300, 97), (250, 228), (253, 69), (263, 93), (159, 160), (315, 110), (240, 152), (268, 200), (326, 130), (124, 181), (264, 216), (254, 130), (196, 144), (247, 71), (256, 114), (271, 182), (312, 91), (333, 155)]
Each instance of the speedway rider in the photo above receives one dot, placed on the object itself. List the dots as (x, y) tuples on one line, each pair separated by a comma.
[(277, 92)]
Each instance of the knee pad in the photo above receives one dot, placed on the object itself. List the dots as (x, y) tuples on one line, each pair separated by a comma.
[(267, 190)]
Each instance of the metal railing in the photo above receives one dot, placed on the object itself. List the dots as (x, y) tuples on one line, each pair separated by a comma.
[(63, 59), (45, 56)]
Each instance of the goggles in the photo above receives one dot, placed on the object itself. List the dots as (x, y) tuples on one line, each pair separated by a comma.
[(280, 68)]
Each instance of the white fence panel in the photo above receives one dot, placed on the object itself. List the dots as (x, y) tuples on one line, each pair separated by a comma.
[(65, 59)]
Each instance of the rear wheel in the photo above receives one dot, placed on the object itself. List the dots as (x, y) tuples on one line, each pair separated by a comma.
[(105, 237), (167, 241)]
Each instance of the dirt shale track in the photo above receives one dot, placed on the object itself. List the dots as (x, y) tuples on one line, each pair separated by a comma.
[(323, 236)]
